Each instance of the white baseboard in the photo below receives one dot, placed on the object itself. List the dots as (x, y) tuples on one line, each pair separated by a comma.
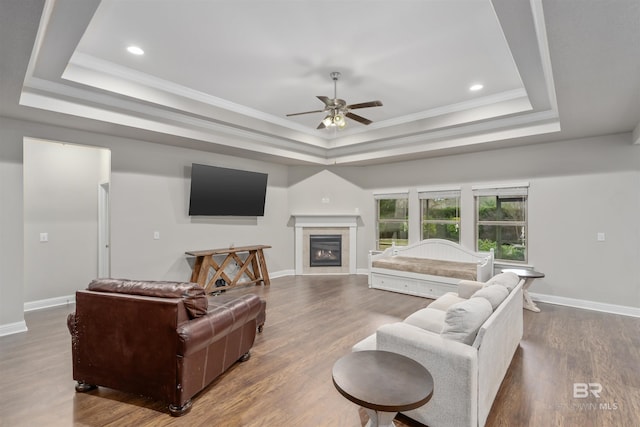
[(50, 302), (282, 273), (587, 305), (13, 328)]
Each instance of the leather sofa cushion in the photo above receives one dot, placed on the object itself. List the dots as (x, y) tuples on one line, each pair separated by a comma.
[(193, 296), (495, 294), (463, 320)]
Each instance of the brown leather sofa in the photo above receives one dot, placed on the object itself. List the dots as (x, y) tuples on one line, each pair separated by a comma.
[(159, 339)]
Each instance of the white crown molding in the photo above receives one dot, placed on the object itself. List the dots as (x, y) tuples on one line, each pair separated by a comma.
[(543, 48), (443, 140), (175, 124), (498, 98), (95, 72), (92, 71)]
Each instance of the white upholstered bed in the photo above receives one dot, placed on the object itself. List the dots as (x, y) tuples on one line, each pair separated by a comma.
[(429, 268)]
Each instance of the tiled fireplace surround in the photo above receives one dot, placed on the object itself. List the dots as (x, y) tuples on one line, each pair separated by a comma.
[(323, 224)]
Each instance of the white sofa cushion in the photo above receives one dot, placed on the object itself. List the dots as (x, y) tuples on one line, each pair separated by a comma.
[(462, 320), (508, 279), (495, 294), (466, 288), (445, 301), (428, 319)]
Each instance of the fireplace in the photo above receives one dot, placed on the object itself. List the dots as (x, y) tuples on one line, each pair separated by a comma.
[(343, 225), (325, 250)]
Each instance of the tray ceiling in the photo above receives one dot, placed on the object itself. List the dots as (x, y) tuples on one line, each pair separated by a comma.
[(227, 72)]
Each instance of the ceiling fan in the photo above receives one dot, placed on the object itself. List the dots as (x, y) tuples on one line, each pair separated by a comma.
[(337, 109)]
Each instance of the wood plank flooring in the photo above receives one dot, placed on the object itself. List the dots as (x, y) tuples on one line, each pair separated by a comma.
[(311, 322)]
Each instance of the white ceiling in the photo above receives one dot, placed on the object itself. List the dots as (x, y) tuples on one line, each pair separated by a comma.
[(224, 73)]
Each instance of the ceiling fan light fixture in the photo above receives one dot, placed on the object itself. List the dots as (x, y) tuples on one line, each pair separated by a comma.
[(337, 110)]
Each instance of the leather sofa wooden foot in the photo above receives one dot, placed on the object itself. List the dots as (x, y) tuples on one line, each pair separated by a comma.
[(178, 411), (84, 387)]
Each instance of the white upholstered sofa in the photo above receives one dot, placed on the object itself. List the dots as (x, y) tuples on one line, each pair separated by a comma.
[(466, 340)]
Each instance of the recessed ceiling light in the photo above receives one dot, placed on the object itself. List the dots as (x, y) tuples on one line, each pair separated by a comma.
[(135, 50), (476, 87)]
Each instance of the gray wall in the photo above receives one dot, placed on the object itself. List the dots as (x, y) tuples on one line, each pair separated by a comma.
[(577, 189), (61, 199), (315, 190), (11, 226), (149, 192)]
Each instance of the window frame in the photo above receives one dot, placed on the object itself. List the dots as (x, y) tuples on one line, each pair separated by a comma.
[(425, 195), (390, 196), (505, 193)]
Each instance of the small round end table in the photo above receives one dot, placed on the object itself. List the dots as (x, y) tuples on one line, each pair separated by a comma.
[(383, 383), (529, 276)]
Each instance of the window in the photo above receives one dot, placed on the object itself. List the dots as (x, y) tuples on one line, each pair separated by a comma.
[(501, 222), (440, 215), (392, 220)]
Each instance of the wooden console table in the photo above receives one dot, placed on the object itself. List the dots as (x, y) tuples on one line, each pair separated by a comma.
[(253, 267)]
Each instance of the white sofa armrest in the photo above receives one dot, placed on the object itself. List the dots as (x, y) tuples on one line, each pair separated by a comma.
[(466, 288), (453, 365)]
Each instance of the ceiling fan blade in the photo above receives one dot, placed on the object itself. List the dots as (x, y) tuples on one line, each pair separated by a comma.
[(306, 112), (365, 105), (358, 118), (321, 126), (327, 101)]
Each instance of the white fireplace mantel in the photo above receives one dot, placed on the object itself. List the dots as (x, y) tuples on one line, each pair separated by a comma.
[(302, 221)]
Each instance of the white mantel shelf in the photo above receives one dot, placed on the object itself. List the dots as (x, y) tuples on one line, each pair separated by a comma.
[(326, 220), (306, 220)]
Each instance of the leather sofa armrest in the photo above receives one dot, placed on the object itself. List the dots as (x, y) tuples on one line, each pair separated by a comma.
[(466, 288), (71, 324), (198, 333)]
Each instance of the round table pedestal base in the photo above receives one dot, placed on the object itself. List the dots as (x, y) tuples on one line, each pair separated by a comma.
[(528, 302), (380, 419)]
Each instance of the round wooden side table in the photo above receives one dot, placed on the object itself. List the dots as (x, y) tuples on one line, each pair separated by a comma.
[(529, 276), (383, 383)]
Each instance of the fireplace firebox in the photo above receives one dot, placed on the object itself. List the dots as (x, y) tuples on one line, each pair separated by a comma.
[(325, 250)]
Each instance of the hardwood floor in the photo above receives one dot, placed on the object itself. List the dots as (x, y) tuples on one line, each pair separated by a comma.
[(311, 322)]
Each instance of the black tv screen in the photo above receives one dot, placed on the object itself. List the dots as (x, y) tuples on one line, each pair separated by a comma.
[(231, 192)]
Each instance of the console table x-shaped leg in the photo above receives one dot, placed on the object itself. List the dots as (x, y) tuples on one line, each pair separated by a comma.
[(253, 267)]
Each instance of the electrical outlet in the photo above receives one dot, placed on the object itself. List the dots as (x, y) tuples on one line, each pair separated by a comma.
[(44, 237), (600, 237), (156, 235)]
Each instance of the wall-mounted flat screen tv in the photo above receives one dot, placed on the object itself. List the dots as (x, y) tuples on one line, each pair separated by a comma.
[(217, 191)]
